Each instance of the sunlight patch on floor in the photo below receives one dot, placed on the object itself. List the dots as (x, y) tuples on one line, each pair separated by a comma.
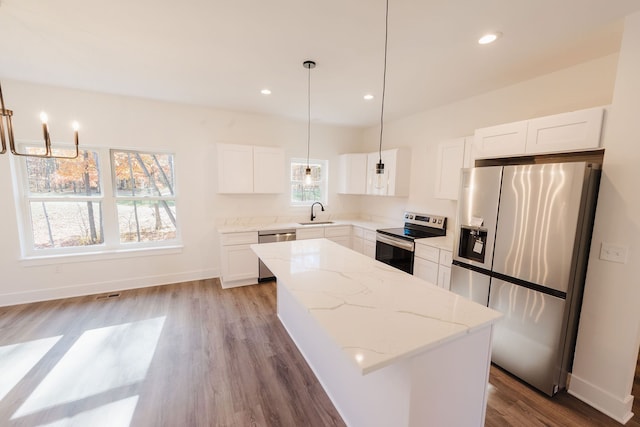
[(114, 414), (100, 360), (16, 360)]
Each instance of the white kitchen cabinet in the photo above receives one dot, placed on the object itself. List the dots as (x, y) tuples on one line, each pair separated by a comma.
[(369, 243), (499, 141), (395, 180), (426, 270), (268, 170), (444, 277), (432, 264), (357, 239), (353, 173), (235, 168), (239, 264), (453, 155), (311, 232), (573, 131), (244, 169), (340, 234), (566, 132)]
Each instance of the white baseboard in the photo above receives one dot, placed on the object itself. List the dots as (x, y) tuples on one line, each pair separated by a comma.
[(602, 400), (106, 286)]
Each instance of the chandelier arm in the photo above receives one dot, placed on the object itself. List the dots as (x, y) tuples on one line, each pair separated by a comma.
[(2, 137)]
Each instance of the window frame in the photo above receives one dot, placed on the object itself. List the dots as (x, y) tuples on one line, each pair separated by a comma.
[(142, 198), (323, 182), (111, 247)]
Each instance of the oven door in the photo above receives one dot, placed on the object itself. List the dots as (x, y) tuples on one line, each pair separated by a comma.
[(397, 253)]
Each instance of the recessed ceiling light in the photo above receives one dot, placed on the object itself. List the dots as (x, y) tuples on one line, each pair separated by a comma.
[(368, 97), (265, 92), (489, 38)]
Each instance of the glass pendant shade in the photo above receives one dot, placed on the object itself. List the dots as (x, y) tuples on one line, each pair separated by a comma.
[(307, 176)]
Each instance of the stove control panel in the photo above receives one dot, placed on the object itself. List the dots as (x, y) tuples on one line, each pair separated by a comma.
[(427, 220)]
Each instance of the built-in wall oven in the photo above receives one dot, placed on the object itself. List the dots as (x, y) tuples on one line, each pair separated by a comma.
[(396, 246)]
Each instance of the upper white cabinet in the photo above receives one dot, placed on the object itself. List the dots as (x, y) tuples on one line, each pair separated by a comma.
[(250, 169), (453, 155), (268, 170), (573, 131), (395, 180), (358, 173), (502, 140), (353, 173), (577, 130)]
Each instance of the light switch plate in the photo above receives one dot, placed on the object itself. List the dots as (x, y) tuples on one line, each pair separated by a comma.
[(613, 253)]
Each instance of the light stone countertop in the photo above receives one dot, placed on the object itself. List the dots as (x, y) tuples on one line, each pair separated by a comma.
[(246, 227), (444, 242), (377, 314)]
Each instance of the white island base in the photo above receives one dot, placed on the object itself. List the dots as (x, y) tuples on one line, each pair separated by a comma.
[(390, 350), (445, 386)]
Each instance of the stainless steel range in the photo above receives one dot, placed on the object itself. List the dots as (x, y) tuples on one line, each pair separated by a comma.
[(395, 246)]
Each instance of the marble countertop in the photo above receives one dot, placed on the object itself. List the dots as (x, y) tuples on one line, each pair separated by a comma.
[(242, 227), (444, 242), (377, 314)]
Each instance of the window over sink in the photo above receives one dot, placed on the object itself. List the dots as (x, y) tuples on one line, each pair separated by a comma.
[(304, 193)]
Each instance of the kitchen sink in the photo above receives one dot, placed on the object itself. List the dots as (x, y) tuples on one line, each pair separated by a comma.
[(316, 223)]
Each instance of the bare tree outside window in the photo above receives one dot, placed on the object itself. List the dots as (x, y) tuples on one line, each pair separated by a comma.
[(145, 195), (64, 199)]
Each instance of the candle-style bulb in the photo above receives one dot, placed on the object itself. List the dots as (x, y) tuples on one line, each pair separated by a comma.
[(44, 117), (75, 125)]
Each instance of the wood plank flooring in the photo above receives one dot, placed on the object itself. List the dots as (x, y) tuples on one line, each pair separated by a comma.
[(192, 354)]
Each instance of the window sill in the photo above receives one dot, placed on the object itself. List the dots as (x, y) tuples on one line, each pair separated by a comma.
[(30, 261)]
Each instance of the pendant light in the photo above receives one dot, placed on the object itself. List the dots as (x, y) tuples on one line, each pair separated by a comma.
[(308, 65), (379, 178)]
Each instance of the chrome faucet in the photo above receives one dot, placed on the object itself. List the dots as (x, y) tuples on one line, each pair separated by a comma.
[(315, 203)]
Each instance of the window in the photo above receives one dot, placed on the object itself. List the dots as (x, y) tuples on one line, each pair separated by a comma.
[(145, 196), (304, 193), (64, 200), (68, 207)]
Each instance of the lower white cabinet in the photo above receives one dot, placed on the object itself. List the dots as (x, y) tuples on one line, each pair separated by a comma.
[(357, 239), (315, 232), (340, 234), (369, 243), (239, 264), (432, 264), (426, 270)]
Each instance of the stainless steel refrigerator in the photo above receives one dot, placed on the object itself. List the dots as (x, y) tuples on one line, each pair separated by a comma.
[(521, 247)]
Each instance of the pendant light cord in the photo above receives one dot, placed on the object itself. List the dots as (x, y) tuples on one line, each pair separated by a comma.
[(384, 75), (308, 113)]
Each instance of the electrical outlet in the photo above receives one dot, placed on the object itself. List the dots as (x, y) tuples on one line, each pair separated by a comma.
[(613, 253)]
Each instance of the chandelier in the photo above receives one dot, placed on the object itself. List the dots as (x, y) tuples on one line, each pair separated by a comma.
[(6, 132)]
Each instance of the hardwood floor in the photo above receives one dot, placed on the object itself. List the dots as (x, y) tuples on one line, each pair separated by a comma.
[(192, 354)]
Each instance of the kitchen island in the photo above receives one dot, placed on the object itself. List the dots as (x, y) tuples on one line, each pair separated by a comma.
[(388, 348)]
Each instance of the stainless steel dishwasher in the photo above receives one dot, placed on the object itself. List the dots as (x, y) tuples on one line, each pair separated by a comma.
[(270, 236)]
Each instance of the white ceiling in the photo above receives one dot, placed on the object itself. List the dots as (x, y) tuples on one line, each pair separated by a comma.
[(220, 53)]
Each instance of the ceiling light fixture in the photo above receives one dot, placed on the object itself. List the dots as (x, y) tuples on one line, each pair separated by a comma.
[(368, 97), (308, 65), (489, 38), (5, 121), (265, 92), (379, 180)]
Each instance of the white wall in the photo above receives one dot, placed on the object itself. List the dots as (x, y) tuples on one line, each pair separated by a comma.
[(608, 337), (191, 132), (586, 85)]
